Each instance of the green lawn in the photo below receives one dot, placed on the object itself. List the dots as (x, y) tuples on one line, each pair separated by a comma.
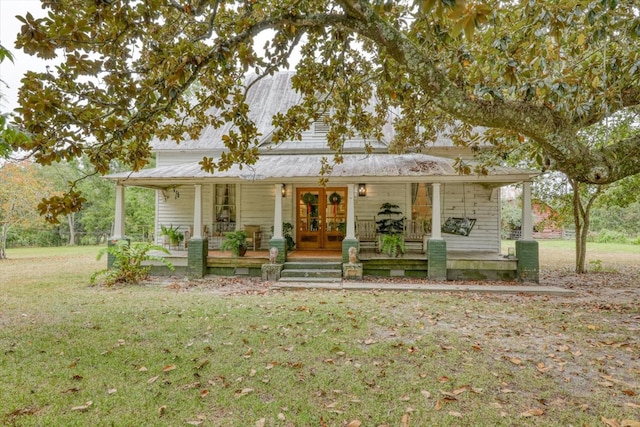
[(74, 355)]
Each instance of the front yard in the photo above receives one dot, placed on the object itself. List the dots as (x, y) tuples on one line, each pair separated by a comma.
[(232, 352)]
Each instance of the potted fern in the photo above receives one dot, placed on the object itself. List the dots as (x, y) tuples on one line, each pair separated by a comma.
[(172, 233), (393, 245), (391, 229), (236, 242)]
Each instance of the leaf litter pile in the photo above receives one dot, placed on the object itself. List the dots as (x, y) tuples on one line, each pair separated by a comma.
[(234, 352)]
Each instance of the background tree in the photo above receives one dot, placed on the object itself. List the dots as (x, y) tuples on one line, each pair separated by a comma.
[(533, 73), (20, 191)]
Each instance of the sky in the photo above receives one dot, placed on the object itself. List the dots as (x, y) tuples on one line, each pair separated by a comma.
[(11, 73)]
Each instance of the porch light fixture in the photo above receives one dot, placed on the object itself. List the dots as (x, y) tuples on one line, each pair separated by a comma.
[(362, 190), (283, 190)]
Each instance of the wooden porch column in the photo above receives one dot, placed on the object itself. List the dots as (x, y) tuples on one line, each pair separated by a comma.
[(527, 217), (118, 225), (197, 213), (527, 252), (277, 240), (277, 214), (351, 212), (436, 246), (198, 247), (436, 232), (350, 240)]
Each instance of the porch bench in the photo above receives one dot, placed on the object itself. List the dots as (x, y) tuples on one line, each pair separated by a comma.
[(367, 234), (415, 234)]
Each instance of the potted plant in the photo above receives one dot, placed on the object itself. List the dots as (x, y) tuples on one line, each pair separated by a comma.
[(236, 242), (173, 234), (393, 245)]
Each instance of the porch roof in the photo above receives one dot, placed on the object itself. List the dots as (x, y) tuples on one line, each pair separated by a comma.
[(306, 168)]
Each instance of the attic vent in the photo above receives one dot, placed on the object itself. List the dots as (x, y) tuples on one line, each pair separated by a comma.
[(320, 127)]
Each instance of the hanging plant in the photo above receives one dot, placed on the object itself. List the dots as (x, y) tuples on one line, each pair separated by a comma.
[(335, 199)]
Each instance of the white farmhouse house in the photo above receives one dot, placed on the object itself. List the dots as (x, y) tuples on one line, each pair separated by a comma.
[(450, 222)]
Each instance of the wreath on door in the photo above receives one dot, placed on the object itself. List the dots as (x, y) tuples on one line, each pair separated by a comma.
[(335, 199), (308, 199)]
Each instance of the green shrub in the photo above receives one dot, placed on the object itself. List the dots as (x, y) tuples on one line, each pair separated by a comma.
[(608, 236), (127, 266)]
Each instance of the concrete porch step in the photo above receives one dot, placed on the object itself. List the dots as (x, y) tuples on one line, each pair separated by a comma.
[(314, 265), (307, 280), (311, 272)]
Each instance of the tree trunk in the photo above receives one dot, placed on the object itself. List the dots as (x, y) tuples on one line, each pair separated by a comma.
[(581, 219), (3, 241), (71, 220)]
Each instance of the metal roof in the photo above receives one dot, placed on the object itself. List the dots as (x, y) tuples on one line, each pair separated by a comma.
[(355, 167)]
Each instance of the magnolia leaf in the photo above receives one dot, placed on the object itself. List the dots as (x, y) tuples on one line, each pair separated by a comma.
[(610, 422), (243, 392), (84, 407), (168, 368), (629, 423), (261, 422), (535, 412), (355, 423)]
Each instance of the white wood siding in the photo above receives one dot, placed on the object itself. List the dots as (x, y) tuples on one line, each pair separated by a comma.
[(256, 204), (175, 211), (483, 237), (476, 199)]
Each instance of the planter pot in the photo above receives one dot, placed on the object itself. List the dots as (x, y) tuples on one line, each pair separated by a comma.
[(242, 250)]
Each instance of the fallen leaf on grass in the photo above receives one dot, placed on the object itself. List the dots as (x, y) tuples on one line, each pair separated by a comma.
[(84, 407), (112, 391), (610, 422), (515, 360), (243, 392), (629, 392), (405, 420), (355, 423), (204, 393), (535, 412), (632, 405), (152, 379), (162, 410), (194, 423), (261, 422), (455, 414), (168, 368), (425, 393), (630, 423)]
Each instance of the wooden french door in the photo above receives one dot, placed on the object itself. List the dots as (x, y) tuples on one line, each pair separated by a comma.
[(321, 217)]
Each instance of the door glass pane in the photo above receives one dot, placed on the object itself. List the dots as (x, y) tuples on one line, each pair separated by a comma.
[(309, 211), (335, 212)]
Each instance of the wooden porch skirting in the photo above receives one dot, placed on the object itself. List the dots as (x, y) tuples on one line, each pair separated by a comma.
[(461, 265)]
